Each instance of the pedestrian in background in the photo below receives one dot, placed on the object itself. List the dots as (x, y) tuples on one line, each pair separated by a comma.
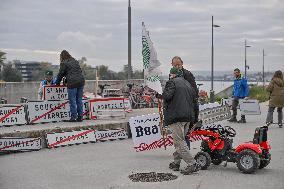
[(240, 91), (49, 80), (276, 98), (70, 68), (178, 97)]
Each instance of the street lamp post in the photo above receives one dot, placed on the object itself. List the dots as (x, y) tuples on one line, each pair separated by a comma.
[(212, 98), (263, 76), (129, 71), (246, 66)]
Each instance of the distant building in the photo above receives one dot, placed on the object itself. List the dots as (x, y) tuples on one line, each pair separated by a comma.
[(27, 68)]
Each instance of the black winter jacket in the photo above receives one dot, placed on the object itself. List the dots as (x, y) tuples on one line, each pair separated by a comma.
[(178, 99), (70, 69)]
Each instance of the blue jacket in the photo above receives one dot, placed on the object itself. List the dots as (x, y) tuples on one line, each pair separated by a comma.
[(240, 89)]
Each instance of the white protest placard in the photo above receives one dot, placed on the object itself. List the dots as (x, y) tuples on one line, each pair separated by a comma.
[(113, 134), (249, 107), (105, 107), (146, 133), (55, 92), (12, 114), (127, 104), (19, 144), (228, 101), (47, 111), (70, 138)]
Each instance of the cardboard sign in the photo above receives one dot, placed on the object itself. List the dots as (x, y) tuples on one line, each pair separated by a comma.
[(70, 138), (47, 111), (249, 107), (19, 144), (146, 133), (105, 106), (13, 114), (53, 92), (215, 114), (104, 135)]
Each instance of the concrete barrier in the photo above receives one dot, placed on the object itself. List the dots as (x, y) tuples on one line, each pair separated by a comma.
[(14, 91)]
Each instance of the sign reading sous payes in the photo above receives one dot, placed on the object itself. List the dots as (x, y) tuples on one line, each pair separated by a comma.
[(13, 114), (146, 133), (55, 92)]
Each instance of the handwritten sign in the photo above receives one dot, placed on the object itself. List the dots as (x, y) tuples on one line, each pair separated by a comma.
[(70, 138), (13, 114), (100, 106), (52, 92), (146, 133), (249, 107), (19, 144)]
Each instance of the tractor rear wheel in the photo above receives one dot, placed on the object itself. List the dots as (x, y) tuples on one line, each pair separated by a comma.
[(248, 161)]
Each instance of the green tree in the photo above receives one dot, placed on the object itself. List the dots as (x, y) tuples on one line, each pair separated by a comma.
[(11, 74), (39, 74), (2, 58)]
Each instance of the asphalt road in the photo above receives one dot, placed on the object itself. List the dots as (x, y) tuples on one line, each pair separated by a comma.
[(107, 165)]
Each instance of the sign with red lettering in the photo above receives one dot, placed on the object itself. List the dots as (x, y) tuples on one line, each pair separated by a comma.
[(55, 92), (70, 138), (19, 144), (47, 111), (13, 114), (100, 106)]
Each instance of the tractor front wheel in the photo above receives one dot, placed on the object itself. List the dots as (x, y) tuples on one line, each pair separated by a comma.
[(203, 159)]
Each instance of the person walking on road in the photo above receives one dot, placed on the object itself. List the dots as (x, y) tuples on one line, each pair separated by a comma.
[(70, 68), (276, 90), (178, 97), (240, 91)]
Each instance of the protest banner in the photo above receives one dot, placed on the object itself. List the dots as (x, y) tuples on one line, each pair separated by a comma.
[(70, 138), (249, 107), (146, 133), (47, 111), (55, 92), (19, 144), (107, 107), (12, 114), (113, 134)]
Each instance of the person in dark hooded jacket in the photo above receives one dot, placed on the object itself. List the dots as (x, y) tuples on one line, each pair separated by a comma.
[(178, 97), (276, 90), (70, 68)]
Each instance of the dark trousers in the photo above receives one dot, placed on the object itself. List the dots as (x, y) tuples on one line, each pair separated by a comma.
[(269, 118), (234, 107)]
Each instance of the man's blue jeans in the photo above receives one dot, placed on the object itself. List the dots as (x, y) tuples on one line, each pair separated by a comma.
[(75, 96)]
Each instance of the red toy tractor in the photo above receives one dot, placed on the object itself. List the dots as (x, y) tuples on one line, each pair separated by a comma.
[(216, 147)]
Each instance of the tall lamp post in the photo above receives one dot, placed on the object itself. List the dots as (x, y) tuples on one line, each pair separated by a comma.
[(129, 73), (212, 98), (246, 66), (263, 76)]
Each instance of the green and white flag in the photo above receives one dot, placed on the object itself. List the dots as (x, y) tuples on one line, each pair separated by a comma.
[(151, 63)]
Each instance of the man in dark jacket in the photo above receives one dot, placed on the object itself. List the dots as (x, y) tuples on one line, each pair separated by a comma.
[(178, 99), (188, 76), (70, 68)]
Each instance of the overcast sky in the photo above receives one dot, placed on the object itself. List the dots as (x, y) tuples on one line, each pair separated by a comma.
[(97, 29)]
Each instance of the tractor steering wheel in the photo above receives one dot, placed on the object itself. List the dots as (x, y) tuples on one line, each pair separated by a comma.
[(230, 131)]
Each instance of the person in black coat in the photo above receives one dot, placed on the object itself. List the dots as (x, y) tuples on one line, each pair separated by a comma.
[(70, 69), (178, 97), (188, 76)]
